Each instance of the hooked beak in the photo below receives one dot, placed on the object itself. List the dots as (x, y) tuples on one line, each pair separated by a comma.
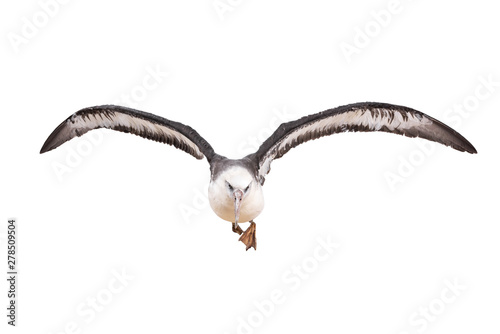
[(238, 196)]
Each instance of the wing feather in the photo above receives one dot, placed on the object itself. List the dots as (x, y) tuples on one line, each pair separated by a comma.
[(133, 121), (365, 117)]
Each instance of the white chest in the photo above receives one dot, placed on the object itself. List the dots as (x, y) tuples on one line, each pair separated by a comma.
[(223, 205)]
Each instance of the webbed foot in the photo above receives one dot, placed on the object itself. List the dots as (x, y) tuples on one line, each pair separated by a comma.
[(237, 229), (248, 237)]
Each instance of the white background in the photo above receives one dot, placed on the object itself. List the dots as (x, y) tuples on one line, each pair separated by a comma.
[(137, 206)]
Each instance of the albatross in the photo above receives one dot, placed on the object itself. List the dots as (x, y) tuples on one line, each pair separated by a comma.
[(235, 189)]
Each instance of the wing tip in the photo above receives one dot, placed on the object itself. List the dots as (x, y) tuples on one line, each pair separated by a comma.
[(57, 137), (464, 145), (471, 149), (49, 145)]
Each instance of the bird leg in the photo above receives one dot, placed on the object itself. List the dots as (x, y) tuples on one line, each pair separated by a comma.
[(237, 229), (248, 237)]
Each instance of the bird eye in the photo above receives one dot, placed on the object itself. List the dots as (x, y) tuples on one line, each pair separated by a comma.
[(230, 186), (248, 187)]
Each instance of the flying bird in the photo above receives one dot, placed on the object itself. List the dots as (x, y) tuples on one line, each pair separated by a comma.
[(235, 190)]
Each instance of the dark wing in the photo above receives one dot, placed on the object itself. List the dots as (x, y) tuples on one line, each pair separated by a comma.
[(133, 121), (367, 116)]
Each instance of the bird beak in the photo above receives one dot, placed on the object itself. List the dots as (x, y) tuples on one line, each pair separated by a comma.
[(238, 196)]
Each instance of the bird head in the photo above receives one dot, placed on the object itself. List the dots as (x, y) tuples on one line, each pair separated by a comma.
[(235, 195)]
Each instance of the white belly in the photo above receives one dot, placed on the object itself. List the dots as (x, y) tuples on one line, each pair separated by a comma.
[(251, 205)]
